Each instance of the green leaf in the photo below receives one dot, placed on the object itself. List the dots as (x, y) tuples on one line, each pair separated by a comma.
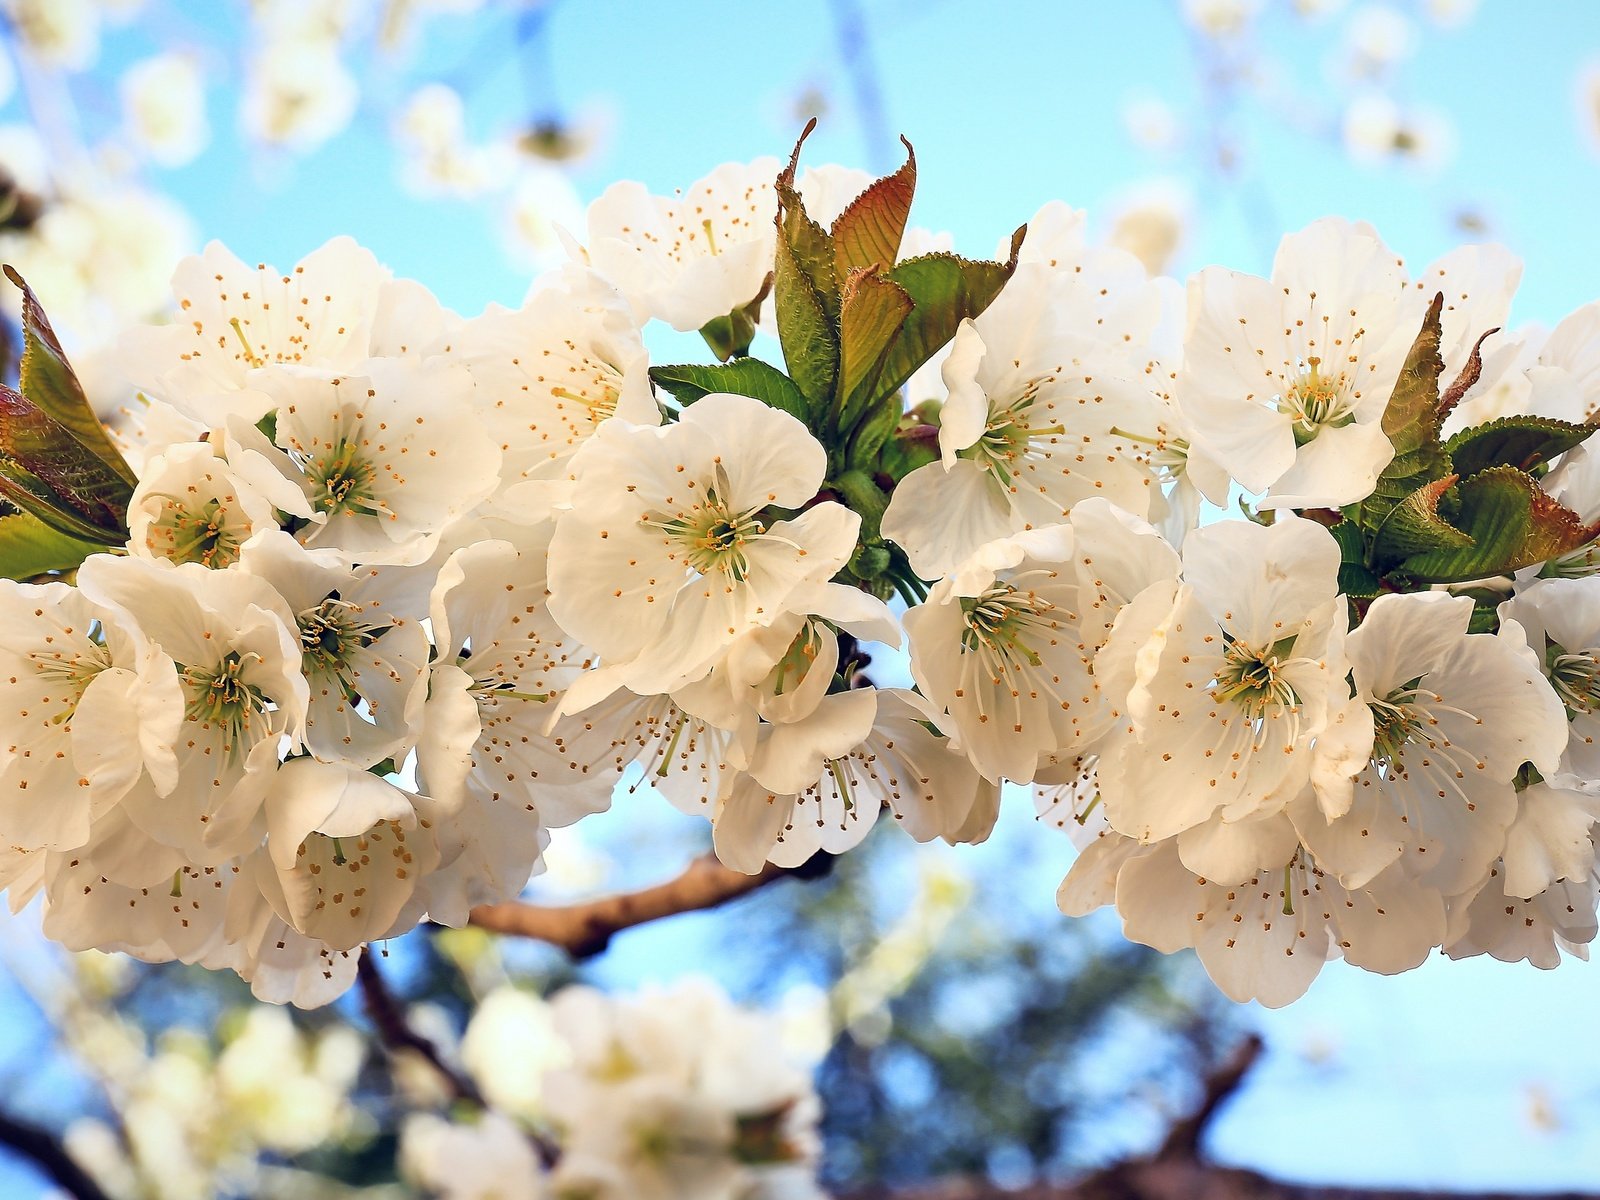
[(29, 547), (1411, 423), (41, 456), (868, 233), (872, 315), (1469, 376), (48, 381), (1513, 523), (744, 377), (1524, 442), (805, 289), (1414, 526), (946, 290), (1356, 580)]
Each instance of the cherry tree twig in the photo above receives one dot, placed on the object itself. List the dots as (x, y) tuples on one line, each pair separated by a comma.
[(396, 1034), (584, 930), (44, 1148)]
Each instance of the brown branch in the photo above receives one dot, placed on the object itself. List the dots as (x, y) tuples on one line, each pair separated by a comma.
[(395, 1034), (1183, 1139), (47, 1152), (1176, 1171), (584, 930)]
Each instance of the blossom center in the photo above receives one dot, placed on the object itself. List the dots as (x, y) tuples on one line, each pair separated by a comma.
[(1003, 626), (344, 478), (1255, 679), (330, 634), (221, 698), (1575, 676), (202, 534), (1313, 400), (1009, 434), (713, 535)]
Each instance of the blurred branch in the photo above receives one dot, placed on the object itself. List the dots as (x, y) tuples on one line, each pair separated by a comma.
[(855, 53), (1178, 1171), (45, 1149), (584, 930), (396, 1034)]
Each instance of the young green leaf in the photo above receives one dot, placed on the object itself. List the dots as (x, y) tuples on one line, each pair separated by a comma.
[(744, 377), (29, 547), (42, 457), (871, 317), (1524, 442), (805, 289), (1414, 526), (49, 383), (1411, 423), (1513, 523), (869, 231)]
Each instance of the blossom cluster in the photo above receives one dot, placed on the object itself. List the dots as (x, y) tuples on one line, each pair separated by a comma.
[(394, 592), (662, 1094)]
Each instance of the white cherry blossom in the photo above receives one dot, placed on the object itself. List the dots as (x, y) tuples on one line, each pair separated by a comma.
[(669, 553)]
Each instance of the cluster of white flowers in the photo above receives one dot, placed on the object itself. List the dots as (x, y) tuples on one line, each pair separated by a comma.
[(403, 590), (668, 1094)]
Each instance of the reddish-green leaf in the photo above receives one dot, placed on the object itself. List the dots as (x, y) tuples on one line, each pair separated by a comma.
[(869, 231), (50, 384), (871, 316), (1411, 423), (1524, 442), (1513, 523), (1414, 526)]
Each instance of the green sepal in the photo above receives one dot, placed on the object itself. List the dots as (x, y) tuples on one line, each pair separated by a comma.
[(914, 443), (1356, 579), (1524, 442), (872, 435), (1411, 422), (730, 336), (1415, 527), (861, 493), (1513, 523), (29, 548), (50, 384), (687, 382), (868, 233)]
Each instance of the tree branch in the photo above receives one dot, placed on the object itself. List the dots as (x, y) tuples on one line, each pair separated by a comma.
[(1183, 1139), (46, 1151), (584, 930), (393, 1031)]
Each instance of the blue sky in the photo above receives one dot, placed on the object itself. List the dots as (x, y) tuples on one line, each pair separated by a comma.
[(1424, 1080)]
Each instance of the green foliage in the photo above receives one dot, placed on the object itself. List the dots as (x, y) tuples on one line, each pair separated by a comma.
[(1524, 442), (29, 548), (56, 461), (1512, 523), (1411, 422), (744, 377), (1457, 510)]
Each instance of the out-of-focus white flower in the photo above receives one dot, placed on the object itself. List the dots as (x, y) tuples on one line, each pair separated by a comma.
[(1316, 10), (1450, 14), (298, 93), (1587, 97), (165, 105), (1377, 129), (1151, 223), (1377, 39), (490, 1159), (1152, 123), (102, 252), (1220, 18), (62, 33), (288, 1091), (510, 1043), (543, 203)]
